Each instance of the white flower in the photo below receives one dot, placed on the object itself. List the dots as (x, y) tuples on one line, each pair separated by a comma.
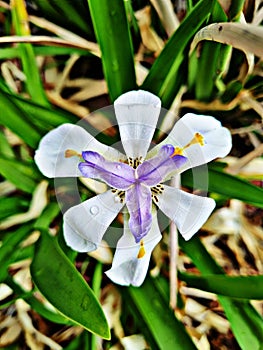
[(136, 180)]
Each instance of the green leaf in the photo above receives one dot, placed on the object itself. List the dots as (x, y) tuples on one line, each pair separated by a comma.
[(167, 331), (33, 81), (61, 284), (112, 32), (70, 14), (52, 316), (5, 148), (167, 67), (17, 121), (34, 113), (10, 246), (47, 216), (246, 287), (12, 205), (228, 185), (211, 61), (246, 323), (20, 174), (24, 117)]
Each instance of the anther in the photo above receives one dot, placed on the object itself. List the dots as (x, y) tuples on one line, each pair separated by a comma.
[(119, 195), (71, 153), (141, 252), (200, 139), (155, 198)]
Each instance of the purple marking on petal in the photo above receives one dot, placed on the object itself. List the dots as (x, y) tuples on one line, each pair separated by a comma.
[(115, 174), (155, 170), (139, 203)]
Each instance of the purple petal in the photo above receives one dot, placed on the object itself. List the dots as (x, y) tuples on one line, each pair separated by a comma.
[(115, 174), (139, 203), (155, 170)]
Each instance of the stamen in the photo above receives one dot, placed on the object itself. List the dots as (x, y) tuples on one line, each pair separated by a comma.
[(198, 138), (155, 198), (130, 161), (141, 251), (119, 195), (71, 153), (134, 163), (158, 189)]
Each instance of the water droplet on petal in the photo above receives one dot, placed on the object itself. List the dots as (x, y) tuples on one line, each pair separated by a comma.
[(118, 166), (94, 210)]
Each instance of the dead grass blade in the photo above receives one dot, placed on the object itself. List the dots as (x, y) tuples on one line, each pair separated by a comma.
[(246, 37)]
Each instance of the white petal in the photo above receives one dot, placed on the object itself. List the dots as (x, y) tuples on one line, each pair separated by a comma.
[(188, 211), (127, 269), (217, 140), (137, 113), (50, 156), (86, 223)]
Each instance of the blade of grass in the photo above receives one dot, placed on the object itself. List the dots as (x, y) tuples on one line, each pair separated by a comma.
[(112, 32), (71, 14), (11, 206), (164, 327), (208, 61), (167, 67), (233, 186), (33, 81), (246, 287), (246, 37), (246, 323), (10, 53), (20, 174), (17, 121), (9, 247)]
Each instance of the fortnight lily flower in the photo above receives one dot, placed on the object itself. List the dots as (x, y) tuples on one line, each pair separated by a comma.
[(136, 180)]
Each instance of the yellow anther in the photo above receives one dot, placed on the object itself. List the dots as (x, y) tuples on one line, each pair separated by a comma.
[(141, 251), (71, 153), (199, 139)]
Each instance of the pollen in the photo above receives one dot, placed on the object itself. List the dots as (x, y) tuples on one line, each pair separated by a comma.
[(200, 139), (71, 153), (141, 251)]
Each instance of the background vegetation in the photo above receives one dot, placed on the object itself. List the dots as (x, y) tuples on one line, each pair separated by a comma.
[(61, 60)]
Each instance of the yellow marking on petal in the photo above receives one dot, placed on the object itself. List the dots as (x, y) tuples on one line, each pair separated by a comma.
[(141, 251), (177, 152), (71, 153)]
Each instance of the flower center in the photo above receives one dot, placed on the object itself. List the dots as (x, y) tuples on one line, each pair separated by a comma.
[(134, 163), (138, 183)]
